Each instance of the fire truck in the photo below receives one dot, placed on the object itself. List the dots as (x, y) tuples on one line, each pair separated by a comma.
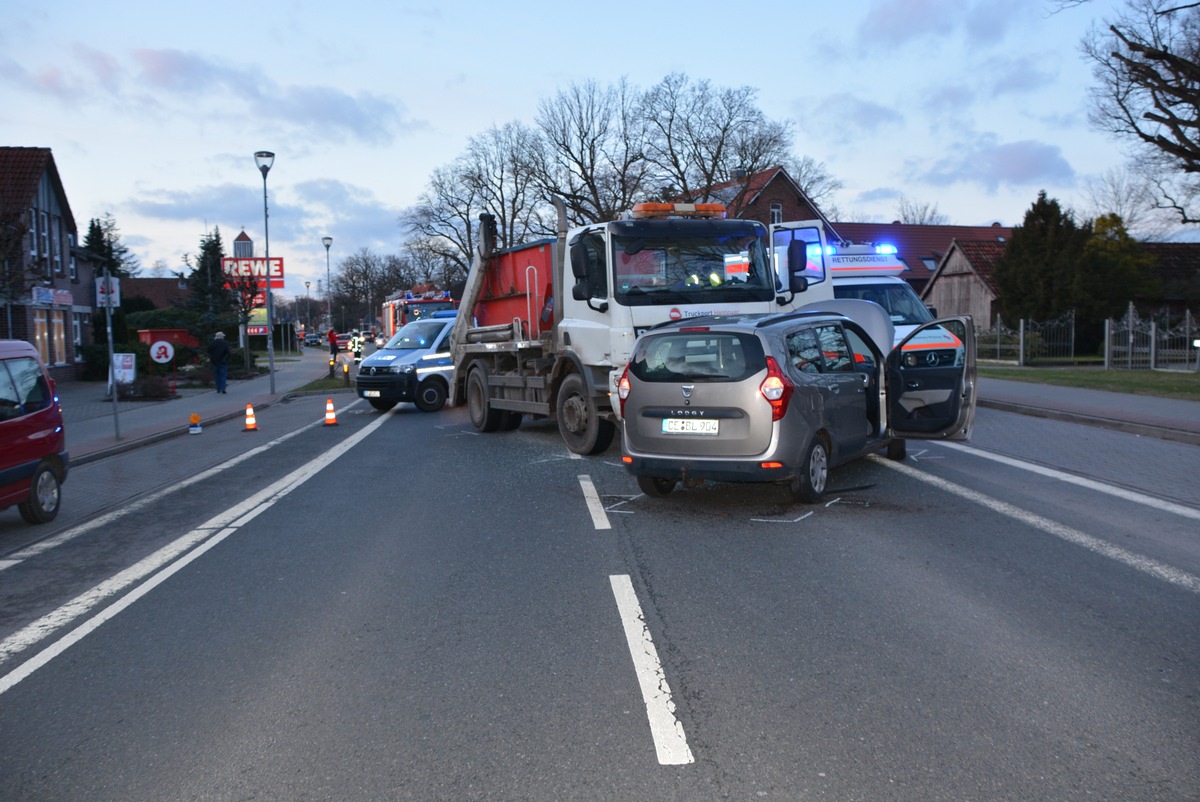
[(546, 328), (405, 307)]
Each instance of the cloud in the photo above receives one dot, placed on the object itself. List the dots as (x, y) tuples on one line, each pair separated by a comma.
[(896, 22), (991, 164), (855, 115)]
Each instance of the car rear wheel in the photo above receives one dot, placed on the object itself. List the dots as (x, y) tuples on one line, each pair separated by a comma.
[(431, 396), (808, 486), (578, 421), (381, 404), (45, 495), (483, 417), (656, 486)]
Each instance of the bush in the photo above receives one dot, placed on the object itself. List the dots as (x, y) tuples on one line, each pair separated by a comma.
[(146, 388)]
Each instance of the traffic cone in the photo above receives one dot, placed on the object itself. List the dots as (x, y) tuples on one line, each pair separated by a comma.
[(194, 424), (330, 416), (251, 425)]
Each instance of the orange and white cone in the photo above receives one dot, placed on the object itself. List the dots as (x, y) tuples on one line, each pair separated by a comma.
[(330, 416), (251, 425)]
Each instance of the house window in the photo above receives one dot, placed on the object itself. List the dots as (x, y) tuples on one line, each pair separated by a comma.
[(41, 335), (58, 332), (776, 213)]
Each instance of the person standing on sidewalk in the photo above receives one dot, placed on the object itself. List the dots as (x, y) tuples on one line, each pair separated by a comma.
[(218, 354), (333, 349)]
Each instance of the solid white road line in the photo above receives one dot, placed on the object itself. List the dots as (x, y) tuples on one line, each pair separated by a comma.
[(670, 742), (599, 519), (206, 536), (1094, 544), (1090, 484)]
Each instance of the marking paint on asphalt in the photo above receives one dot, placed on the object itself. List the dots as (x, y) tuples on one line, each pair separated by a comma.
[(1090, 484), (599, 519), (174, 556), (670, 741), (68, 535), (1094, 544)]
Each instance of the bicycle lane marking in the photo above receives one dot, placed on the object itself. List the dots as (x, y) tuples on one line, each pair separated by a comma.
[(166, 561)]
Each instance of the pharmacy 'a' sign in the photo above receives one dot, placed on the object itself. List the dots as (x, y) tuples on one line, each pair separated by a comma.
[(254, 267)]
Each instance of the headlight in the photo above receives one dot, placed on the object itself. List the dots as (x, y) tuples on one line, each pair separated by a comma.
[(406, 368)]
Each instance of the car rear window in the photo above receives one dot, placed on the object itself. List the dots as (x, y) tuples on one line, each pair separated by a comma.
[(697, 356)]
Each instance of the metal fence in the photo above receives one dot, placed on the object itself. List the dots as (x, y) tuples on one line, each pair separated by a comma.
[(1161, 342), (1030, 342)]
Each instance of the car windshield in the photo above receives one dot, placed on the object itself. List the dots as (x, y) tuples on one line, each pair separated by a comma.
[(898, 300), (688, 356), (696, 266), (418, 334)]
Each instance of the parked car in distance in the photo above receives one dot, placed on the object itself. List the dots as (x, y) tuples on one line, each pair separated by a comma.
[(33, 448), (784, 397), (414, 365)]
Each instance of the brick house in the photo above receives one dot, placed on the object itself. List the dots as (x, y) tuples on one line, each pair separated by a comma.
[(47, 280)]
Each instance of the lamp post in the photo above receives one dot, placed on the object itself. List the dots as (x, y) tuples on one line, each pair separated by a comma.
[(264, 159), (307, 307), (327, 241)]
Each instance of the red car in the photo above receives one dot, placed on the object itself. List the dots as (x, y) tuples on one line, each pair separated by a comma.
[(343, 341), (33, 447)]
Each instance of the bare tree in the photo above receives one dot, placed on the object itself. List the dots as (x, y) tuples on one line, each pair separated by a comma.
[(443, 220), (699, 135), (497, 165), (815, 181), (591, 150), (1147, 66), (1129, 195), (918, 213)]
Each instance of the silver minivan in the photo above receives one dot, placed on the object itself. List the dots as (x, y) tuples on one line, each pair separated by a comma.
[(786, 397)]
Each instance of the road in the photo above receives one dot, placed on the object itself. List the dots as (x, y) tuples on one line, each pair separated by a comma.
[(400, 608)]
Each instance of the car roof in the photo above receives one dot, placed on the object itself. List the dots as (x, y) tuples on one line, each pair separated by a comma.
[(13, 348), (747, 322)]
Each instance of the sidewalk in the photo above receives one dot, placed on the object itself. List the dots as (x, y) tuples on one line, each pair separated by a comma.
[(88, 414), (1148, 416), (91, 433)]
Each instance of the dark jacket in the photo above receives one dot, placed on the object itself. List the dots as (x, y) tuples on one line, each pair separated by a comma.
[(218, 351)]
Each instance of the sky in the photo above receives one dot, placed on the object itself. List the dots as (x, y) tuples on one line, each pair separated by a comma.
[(154, 111)]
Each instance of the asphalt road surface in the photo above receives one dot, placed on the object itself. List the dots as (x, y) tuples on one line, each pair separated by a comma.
[(401, 608)]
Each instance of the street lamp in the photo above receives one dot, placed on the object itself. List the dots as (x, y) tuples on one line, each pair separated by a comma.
[(264, 159), (327, 241), (307, 307)]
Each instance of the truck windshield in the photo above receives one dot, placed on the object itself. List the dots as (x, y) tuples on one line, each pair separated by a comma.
[(898, 300), (681, 264)]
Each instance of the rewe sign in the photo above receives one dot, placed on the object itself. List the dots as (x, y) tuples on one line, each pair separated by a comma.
[(253, 267)]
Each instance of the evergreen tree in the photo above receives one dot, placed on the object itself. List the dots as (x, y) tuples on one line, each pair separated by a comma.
[(104, 241), (1038, 275), (208, 293)]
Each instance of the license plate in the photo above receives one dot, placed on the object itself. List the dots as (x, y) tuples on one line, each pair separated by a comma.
[(690, 426), (370, 393)]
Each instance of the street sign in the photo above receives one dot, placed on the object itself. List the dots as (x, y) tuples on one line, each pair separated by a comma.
[(255, 267), (162, 352), (256, 331)]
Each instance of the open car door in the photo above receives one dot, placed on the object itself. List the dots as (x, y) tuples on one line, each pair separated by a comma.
[(931, 386)]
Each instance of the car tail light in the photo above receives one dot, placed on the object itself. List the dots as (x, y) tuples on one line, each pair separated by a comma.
[(776, 388), (623, 389)]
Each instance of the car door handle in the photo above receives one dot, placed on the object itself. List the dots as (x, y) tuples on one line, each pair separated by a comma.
[(913, 385)]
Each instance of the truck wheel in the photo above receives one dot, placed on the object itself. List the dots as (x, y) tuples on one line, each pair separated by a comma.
[(808, 485), (45, 495), (483, 417), (897, 450), (655, 486), (511, 420), (381, 404), (431, 396), (578, 422)]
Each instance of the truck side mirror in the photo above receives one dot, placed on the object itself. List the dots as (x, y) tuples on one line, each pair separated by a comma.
[(797, 263), (579, 259), (580, 291)]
